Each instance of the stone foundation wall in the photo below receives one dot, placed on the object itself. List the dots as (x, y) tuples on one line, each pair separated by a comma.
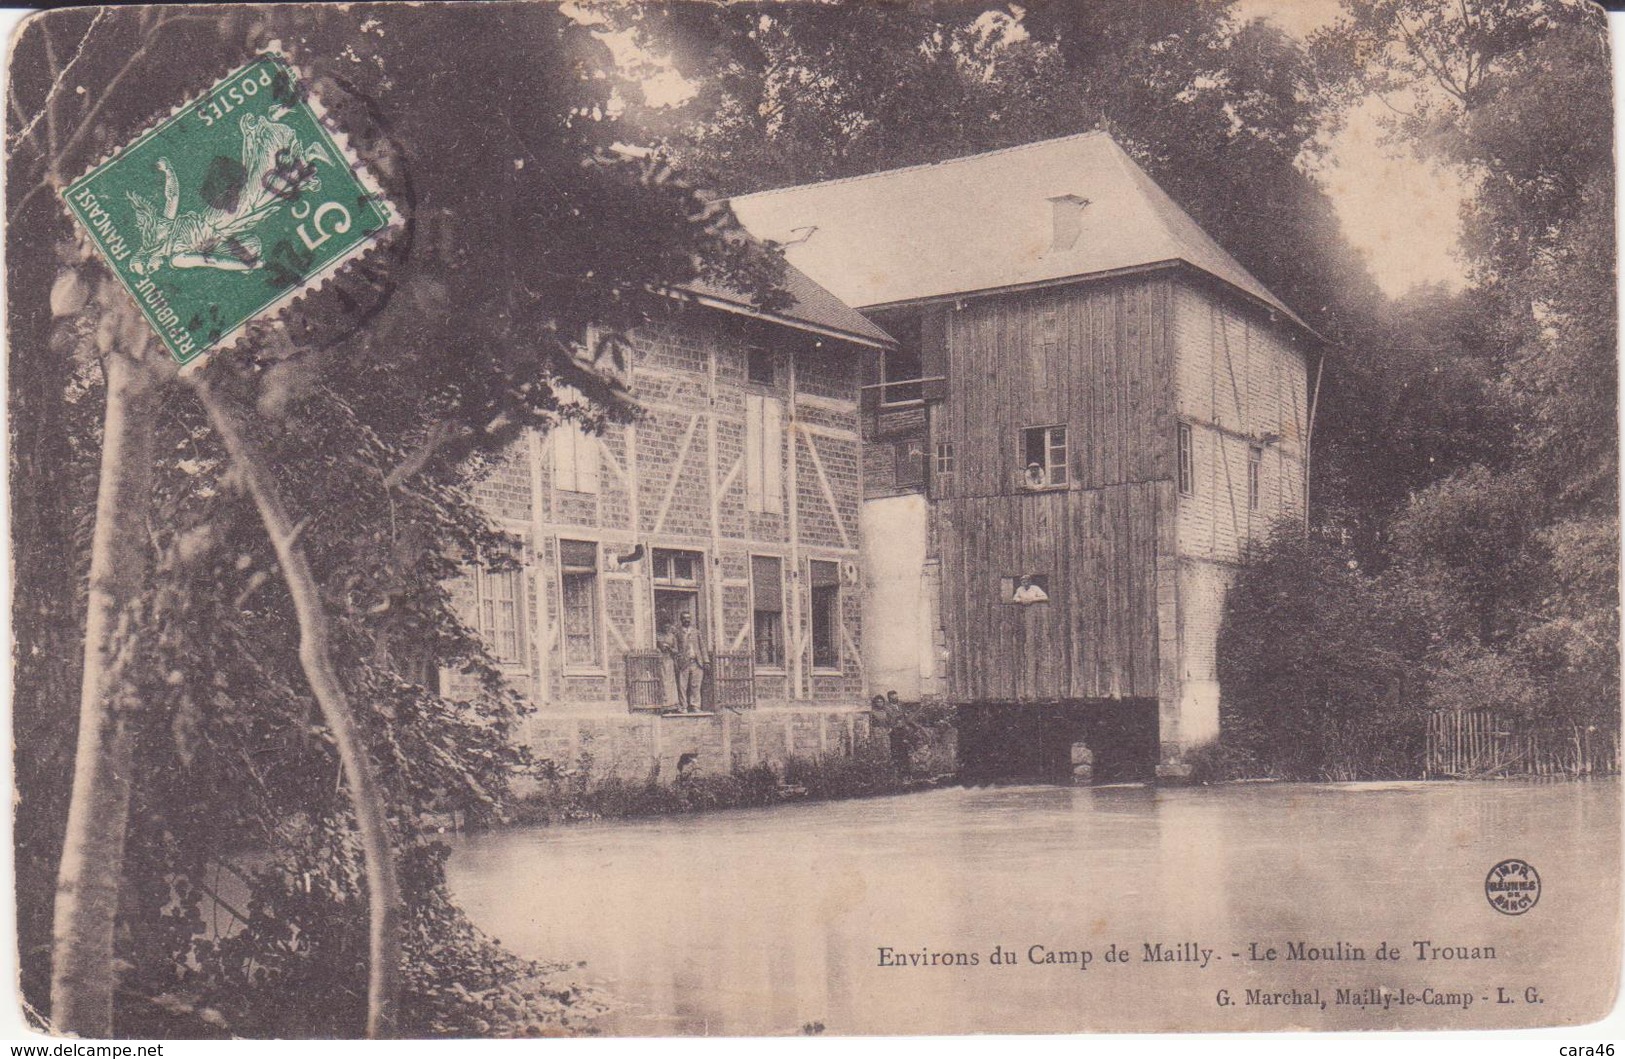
[(645, 746)]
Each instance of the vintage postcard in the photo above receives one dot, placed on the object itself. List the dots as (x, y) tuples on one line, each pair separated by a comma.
[(688, 519)]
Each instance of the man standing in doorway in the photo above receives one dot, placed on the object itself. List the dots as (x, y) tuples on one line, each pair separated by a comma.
[(682, 644)]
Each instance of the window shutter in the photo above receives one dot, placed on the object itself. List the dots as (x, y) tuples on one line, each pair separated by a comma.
[(753, 452), (765, 585), (586, 446), (564, 457), (772, 457)]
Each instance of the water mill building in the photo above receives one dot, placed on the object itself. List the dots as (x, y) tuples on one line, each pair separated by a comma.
[(1024, 421)]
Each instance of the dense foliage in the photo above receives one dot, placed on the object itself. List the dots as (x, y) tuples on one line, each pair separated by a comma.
[(1319, 666), (377, 401), (1504, 548)]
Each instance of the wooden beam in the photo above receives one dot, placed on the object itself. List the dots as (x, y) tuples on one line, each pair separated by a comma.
[(615, 631), (713, 581), (640, 605), (851, 647), (542, 688), (795, 583), (829, 494), (608, 457), (731, 477)]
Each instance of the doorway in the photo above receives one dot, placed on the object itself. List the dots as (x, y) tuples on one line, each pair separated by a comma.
[(678, 582)]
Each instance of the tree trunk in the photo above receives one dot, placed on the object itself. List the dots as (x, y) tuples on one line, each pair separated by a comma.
[(366, 798), (82, 973)]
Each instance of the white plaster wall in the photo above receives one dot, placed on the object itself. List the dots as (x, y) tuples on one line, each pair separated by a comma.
[(1198, 714), (898, 619)]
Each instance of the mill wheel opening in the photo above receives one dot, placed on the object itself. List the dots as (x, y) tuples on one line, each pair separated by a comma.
[(1115, 739)]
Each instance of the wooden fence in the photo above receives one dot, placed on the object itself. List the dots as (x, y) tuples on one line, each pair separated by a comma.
[(1476, 744)]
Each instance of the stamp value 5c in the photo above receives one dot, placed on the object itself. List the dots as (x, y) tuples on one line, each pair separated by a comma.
[(230, 209)]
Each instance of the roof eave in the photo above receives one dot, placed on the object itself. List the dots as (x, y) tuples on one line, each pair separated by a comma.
[(1276, 309), (1177, 263), (712, 301)]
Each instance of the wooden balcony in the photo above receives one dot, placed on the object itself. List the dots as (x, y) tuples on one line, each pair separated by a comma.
[(646, 675), (730, 683), (897, 409)]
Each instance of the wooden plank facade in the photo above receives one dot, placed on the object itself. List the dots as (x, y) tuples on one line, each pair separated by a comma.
[(1094, 360), (1140, 372)]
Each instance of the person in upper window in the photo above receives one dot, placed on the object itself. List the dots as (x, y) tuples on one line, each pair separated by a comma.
[(1027, 591), (1034, 476)]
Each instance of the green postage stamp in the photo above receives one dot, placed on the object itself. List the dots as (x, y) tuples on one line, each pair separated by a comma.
[(233, 207)]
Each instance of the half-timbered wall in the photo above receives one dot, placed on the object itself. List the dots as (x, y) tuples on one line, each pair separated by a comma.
[(681, 479), (505, 494)]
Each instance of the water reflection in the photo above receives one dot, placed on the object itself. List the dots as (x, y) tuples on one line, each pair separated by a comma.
[(766, 921)]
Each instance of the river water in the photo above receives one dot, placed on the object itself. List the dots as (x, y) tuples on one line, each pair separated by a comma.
[(771, 920)]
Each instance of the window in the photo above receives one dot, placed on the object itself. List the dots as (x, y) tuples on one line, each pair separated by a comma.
[(764, 454), (759, 365), (1187, 462), (826, 614), (677, 569), (767, 605), (501, 614), (1024, 589), (578, 596), (575, 459), (1255, 473), (945, 457), (1043, 458)]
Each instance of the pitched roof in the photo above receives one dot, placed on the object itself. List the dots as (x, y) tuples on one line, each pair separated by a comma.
[(984, 222), (812, 308)]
